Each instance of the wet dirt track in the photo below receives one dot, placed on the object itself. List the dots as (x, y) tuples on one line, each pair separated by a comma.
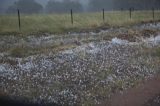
[(138, 96)]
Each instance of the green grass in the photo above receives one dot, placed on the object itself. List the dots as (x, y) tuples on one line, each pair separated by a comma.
[(61, 23), (157, 52)]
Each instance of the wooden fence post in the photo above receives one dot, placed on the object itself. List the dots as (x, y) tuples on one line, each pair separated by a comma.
[(130, 13), (19, 19), (71, 16), (153, 14), (103, 15)]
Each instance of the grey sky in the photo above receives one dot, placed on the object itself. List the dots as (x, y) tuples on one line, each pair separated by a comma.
[(5, 3)]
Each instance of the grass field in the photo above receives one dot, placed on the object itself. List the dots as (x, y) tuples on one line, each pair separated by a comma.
[(75, 69), (61, 23)]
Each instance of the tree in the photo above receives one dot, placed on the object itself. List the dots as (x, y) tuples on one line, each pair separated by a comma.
[(61, 7), (96, 5), (4, 5), (25, 6), (138, 4)]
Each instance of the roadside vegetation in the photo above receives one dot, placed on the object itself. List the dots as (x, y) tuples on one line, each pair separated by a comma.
[(61, 23), (51, 59), (84, 68), (80, 64)]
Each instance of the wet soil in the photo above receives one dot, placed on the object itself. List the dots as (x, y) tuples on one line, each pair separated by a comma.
[(145, 94), (154, 101)]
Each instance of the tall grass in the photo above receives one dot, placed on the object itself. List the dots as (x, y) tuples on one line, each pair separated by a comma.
[(60, 23)]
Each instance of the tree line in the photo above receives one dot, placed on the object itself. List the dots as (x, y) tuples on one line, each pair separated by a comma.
[(54, 6), (95, 5), (137, 4)]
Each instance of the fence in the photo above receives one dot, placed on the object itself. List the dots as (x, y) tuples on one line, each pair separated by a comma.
[(104, 16), (19, 19)]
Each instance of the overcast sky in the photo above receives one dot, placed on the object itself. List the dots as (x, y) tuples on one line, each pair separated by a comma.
[(44, 2), (5, 3)]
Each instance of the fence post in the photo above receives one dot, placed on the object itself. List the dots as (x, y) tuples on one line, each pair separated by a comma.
[(103, 15), (153, 14), (19, 19), (130, 13), (71, 16)]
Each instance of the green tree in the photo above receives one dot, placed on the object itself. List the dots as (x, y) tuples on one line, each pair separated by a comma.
[(96, 5), (61, 7), (137, 4), (26, 6)]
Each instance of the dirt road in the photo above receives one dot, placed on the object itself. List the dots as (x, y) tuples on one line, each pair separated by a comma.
[(141, 95)]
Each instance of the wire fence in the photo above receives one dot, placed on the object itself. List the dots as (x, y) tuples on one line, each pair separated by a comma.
[(55, 21)]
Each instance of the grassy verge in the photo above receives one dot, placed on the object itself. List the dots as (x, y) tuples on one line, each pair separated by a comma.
[(27, 51), (61, 23)]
